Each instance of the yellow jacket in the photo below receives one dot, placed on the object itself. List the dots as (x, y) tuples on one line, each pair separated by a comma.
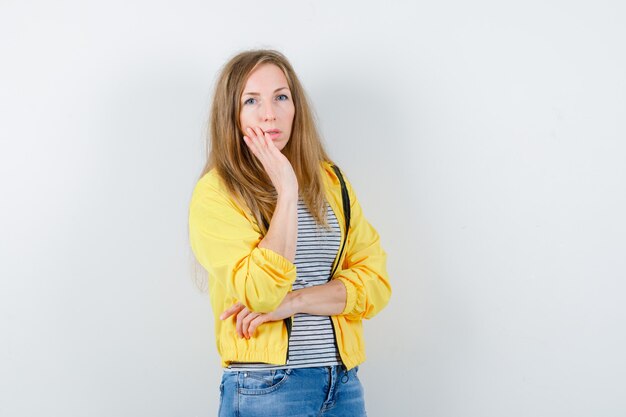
[(224, 238)]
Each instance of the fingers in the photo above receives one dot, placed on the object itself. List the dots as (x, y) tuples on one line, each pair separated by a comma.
[(244, 317), (275, 164), (263, 137), (256, 323), (253, 144), (260, 135), (259, 143), (253, 140), (247, 321), (240, 316), (234, 309), (245, 325)]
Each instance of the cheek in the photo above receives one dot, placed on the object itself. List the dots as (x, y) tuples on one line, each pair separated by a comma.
[(244, 120), (289, 113)]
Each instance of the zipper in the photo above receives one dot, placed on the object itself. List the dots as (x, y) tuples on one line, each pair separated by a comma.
[(343, 365), (331, 319), (289, 324), (345, 202)]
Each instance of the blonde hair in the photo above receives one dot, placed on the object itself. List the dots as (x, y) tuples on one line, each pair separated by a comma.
[(240, 170)]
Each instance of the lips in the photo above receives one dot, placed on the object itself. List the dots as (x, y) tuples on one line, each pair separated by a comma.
[(274, 134)]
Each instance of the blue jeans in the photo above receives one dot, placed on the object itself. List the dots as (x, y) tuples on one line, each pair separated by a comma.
[(323, 391)]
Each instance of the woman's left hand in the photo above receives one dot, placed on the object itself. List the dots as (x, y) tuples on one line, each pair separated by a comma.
[(248, 321)]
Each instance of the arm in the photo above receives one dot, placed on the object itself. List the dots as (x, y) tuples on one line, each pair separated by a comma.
[(228, 245), (256, 271), (360, 290), (282, 234), (322, 300)]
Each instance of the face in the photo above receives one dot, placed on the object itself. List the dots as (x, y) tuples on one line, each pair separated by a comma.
[(266, 102)]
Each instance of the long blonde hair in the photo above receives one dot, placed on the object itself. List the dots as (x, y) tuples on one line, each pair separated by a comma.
[(241, 171)]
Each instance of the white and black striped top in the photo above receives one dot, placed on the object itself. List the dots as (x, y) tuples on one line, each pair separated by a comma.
[(312, 340)]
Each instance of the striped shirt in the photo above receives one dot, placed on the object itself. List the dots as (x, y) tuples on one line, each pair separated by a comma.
[(312, 339)]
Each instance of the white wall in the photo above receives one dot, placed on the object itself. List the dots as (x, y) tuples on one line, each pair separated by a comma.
[(485, 140)]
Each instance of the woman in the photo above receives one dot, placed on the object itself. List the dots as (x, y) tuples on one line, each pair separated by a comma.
[(267, 220)]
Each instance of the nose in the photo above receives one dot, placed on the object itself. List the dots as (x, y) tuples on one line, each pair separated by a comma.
[(268, 113)]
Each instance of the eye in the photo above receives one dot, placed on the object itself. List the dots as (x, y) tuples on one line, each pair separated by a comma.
[(249, 101), (282, 97)]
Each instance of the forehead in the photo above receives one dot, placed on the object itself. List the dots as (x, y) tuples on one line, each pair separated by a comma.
[(265, 77)]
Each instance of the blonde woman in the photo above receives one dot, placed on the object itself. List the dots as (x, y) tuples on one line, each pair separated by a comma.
[(294, 267)]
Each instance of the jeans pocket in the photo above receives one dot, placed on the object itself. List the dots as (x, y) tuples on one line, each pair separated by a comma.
[(261, 382)]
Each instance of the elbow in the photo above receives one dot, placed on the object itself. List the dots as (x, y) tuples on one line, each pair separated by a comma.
[(262, 280), (381, 297), (374, 310), (370, 301)]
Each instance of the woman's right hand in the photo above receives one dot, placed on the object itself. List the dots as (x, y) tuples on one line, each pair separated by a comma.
[(276, 164), (248, 321)]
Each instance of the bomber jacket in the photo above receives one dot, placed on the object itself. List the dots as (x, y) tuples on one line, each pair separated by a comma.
[(224, 238)]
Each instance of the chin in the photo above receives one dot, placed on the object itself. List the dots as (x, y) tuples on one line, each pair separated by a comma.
[(281, 146)]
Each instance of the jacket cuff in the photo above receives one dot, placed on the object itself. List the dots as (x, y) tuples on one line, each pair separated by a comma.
[(350, 296)]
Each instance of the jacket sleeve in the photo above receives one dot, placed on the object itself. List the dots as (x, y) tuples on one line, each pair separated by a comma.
[(364, 268), (225, 242)]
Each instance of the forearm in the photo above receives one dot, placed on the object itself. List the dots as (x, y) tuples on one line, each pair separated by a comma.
[(322, 300), (282, 234)]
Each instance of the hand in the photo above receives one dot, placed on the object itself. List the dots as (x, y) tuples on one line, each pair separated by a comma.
[(248, 321), (276, 164)]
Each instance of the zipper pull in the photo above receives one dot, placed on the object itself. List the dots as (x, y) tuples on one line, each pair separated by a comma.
[(345, 377)]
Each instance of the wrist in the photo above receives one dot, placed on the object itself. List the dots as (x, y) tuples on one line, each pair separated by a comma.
[(287, 197), (296, 302)]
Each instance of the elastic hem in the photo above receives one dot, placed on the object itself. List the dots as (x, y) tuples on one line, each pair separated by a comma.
[(272, 357), (278, 260), (350, 296)]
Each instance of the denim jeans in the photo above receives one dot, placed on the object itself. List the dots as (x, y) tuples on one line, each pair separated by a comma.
[(323, 391)]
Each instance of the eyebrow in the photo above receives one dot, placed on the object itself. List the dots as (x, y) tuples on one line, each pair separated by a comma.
[(257, 94)]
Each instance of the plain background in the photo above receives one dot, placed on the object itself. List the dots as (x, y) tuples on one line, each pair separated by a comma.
[(486, 142)]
